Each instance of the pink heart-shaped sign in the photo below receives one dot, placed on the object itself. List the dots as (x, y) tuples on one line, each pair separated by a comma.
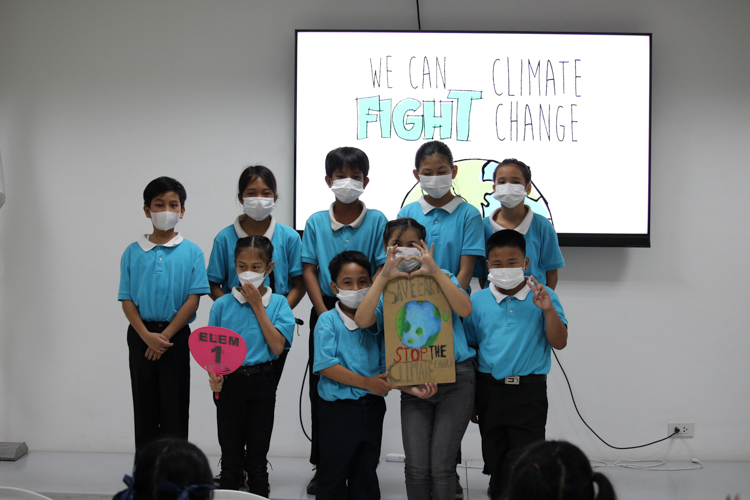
[(218, 350)]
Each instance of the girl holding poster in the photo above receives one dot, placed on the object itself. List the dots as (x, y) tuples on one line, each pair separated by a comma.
[(432, 423)]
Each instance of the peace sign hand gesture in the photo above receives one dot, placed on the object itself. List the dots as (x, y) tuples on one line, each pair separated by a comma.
[(541, 295)]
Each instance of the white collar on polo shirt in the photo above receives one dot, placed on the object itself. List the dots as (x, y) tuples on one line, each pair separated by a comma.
[(336, 225), (265, 299), (348, 322), (146, 244), (241, 232), (520, 295), (522, 228), (448, 207)]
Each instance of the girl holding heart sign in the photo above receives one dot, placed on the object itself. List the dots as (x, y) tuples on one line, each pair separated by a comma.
[(245, 409)]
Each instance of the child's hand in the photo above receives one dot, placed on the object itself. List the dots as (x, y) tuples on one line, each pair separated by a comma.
[(541, 295), (474, 417), (152, 355), (215, 381), (158, 343), (378, 385), (390, 269), (252, 295), (429, 267), (424, 391)]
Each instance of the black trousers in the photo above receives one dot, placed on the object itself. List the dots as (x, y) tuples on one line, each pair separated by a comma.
[(510, 417), (350, 433), (244, 419), (161, 388), (314, 397)]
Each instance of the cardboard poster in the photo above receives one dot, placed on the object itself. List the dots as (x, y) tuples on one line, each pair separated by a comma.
[(418, 325)]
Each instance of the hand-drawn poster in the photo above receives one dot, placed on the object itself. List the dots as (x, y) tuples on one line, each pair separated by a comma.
[(418, 325)]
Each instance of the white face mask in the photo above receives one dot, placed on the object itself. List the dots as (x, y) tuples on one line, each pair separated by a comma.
[(255, 279), (510, 195), (347, 190), (506, 278), (166, 220), (258, 208), (436, 186), (408, 266), (352, 298)]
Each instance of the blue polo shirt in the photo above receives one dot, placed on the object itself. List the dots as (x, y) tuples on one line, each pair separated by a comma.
[(286, 256), (461, 349), (324, 238), (455, 229), (233, 312), (542, 247), (159, 278), (510, 334), (339, 341)]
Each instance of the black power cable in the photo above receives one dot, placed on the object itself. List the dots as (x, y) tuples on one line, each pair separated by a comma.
[(301, 391), (676, 431), (419, 20)]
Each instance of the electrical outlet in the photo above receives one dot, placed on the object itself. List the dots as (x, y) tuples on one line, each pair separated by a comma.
[(685, 430)]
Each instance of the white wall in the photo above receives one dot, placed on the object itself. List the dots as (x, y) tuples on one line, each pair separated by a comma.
[(97, 98)]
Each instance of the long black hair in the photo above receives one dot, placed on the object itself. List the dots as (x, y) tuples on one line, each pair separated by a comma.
[(556, 470), (263, 247)]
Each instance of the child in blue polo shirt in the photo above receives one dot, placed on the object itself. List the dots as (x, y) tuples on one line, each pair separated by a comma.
[(351, 364), (245, 408), (162, 277), (515, 323), (257, 192), (512, 183), (433, 421), (347, 225), (452, 224)]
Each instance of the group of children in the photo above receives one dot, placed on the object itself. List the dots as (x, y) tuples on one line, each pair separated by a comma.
[(260, 269)]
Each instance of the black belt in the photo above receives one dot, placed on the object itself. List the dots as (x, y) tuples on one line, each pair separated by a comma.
[(526, 379), (156, 326), (255, 369)]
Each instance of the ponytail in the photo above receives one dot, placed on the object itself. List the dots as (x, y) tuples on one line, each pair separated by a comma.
[(604, 487)]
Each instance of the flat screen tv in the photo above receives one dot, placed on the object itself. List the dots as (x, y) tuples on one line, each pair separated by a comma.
[(575, 107)]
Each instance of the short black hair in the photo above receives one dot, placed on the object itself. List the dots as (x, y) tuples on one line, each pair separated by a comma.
[(506, 238), (402, 225), (176, 461), (161, 185), (346, 258), (432, 148), (346, 155), (525, 169)]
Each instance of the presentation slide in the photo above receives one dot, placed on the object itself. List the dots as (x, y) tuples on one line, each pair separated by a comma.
[(574, 107)]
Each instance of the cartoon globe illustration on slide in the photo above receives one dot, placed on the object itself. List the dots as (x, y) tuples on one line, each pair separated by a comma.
[(418, 323)]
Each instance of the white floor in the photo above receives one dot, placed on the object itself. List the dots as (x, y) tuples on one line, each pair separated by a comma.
[(95, 476)]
